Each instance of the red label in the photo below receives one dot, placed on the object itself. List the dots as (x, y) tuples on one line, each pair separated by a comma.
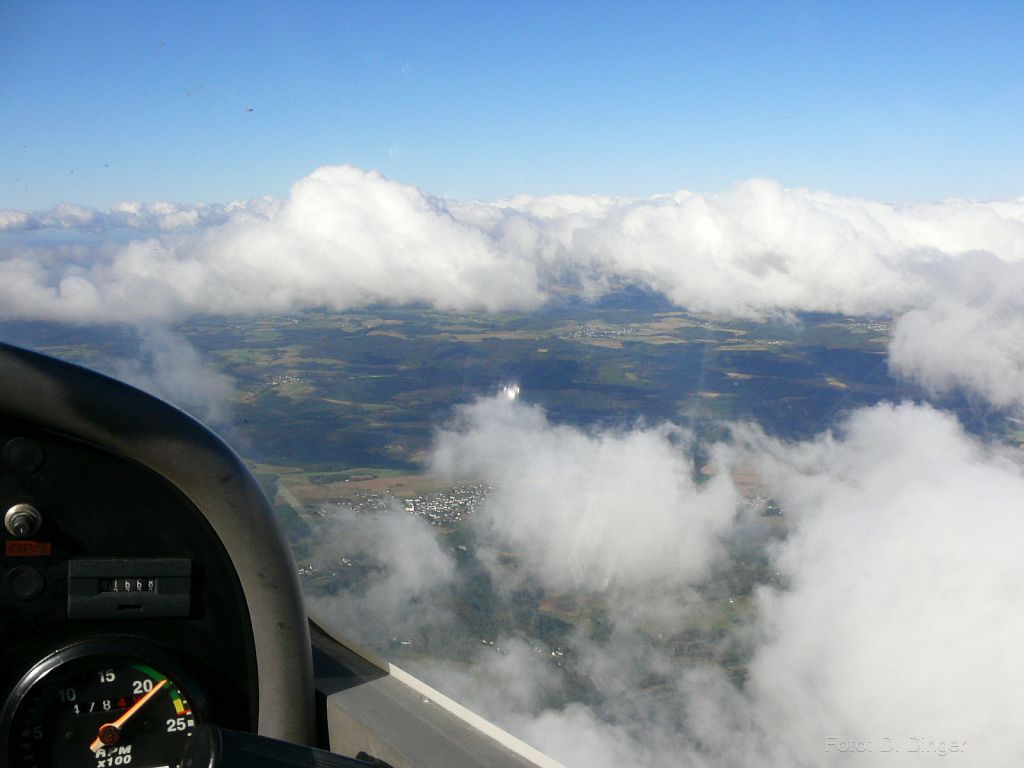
[(28, 549)]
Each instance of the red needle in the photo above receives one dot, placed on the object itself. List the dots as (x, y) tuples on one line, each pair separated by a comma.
[(114, 728)]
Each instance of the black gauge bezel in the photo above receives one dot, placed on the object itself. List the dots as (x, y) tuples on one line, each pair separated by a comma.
[(129, 648)]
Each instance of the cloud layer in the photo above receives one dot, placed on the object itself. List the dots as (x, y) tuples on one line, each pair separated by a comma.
[(902, 618), (757, 247), (345, 238), (348, 238), (889, 614)]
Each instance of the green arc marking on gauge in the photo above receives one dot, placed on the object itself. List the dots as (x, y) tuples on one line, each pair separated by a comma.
[(172, 689), (157, 677)]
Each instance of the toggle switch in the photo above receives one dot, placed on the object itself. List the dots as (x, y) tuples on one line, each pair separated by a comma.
[(22, 521)]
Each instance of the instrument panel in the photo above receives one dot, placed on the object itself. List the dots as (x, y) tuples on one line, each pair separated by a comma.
[(145, 585), (119, 574)]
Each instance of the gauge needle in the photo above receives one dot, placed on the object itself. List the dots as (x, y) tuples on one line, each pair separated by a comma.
[(112, 731)]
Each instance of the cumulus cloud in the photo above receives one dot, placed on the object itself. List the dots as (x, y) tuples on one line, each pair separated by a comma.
[(344, 238), (411, 571), (903, 617), (969, 335), (610, 518), (587, 510), (950, 271), (757, 247), (168, 366), (348, 238), (894, 620)]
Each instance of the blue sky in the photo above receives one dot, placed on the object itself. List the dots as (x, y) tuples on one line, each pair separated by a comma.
[(103, 102)]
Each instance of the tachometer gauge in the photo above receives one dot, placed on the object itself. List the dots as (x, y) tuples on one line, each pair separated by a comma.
[(100, 705)]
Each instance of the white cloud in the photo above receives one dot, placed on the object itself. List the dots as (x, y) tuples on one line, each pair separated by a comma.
[(970, 335), (609, 515), (11, 221), (169, 367), (904, 616), (139, 216), (410, 572), (899, 623), (344, 238), (756, 247), (588, 510), (348, 238), (509, 679)]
